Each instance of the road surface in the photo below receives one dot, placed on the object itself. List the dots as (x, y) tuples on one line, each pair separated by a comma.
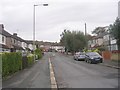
[(68, 74), (79, 74)]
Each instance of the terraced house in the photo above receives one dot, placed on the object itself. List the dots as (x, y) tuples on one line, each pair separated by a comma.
[(5, 40), (12, 43)]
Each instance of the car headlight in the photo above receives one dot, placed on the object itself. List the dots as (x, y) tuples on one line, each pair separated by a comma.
[(91, 58)]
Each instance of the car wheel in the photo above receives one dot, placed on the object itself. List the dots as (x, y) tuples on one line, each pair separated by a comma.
[(77, 59), (89, 61), (101, 61)]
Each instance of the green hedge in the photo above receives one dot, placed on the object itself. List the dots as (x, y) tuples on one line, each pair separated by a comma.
[(30, 59), (0, 63), (38, 53), (11, 63)]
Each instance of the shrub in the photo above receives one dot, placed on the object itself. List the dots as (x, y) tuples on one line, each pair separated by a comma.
[(24, 62), (0, 63), (11, 63), (30, 59), (38, 52)]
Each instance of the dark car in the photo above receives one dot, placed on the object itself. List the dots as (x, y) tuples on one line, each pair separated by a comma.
[(93, 57), (79, 56)]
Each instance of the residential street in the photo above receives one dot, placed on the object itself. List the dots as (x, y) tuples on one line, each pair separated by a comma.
[(59, 44), (68, 73)]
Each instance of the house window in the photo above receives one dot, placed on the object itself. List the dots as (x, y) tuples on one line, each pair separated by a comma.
[(2, 39)]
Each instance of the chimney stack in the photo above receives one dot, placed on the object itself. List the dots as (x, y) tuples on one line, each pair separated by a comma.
[(15, 34)]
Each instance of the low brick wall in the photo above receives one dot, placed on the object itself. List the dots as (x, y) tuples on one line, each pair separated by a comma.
[(106, 55), (115, 55), (111, 55)]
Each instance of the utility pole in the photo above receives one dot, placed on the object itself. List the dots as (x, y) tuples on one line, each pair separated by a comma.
[(86, 35), (85, 30), (119, 9)]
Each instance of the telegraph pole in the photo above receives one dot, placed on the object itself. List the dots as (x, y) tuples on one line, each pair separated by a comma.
[(86, 35), (85, 30)]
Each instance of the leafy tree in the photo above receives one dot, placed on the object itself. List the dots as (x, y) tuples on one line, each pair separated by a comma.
[(98, 30), (115, 31), (73, 41)]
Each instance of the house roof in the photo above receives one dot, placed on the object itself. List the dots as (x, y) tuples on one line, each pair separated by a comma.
[(29, 41), (4, 32), (17, 38), (17, 47)]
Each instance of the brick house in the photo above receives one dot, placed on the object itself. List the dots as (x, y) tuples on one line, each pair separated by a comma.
[(5, 40)]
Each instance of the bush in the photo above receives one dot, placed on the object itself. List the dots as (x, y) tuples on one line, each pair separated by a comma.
[(24, 62), (11, 63), (30, 59), (0, 63), (38, 52)]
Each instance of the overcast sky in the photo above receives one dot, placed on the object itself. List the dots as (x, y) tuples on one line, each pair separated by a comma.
[(17, 16)]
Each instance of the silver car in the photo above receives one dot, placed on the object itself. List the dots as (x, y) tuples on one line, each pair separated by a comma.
[(79, 56)]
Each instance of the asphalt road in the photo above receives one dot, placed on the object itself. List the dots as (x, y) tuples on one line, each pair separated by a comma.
[(68, 74), (79, 74), (37, 76)]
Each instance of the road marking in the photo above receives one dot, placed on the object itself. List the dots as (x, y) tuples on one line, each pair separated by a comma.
[(36, 75), (52, 77)]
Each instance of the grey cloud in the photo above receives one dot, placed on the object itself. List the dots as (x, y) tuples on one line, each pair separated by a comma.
[(19, 15)]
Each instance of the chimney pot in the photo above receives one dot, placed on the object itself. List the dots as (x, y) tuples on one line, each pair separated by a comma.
[(15, 34)]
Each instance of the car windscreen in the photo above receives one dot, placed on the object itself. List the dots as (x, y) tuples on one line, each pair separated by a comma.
[(81, 53), (93, 54)]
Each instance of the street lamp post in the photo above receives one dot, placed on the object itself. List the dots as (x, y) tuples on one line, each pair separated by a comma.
[(34, 26)]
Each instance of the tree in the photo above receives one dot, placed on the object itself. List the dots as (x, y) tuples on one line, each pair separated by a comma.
[(73, 41), (115, 31), (98, 30)]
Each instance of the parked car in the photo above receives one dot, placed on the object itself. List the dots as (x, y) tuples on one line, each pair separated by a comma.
[(79, 56), (93, 57)]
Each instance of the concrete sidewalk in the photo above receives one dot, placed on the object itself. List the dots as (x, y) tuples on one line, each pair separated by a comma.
[(111, 63)]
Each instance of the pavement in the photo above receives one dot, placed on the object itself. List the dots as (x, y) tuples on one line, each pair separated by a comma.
[(36, 76), (111, 63)]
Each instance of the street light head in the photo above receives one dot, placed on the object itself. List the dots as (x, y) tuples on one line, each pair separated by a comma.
[(45, 4), (35, 5), (41, 5)]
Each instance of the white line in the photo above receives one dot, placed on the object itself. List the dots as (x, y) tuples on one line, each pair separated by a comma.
[(52, 76)]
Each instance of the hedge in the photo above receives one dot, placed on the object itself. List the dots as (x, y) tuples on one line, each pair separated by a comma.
[(11, 63), (30, 59), (27, 61), (38, 53), (0, 63)]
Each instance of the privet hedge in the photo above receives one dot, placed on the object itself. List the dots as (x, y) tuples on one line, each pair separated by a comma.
[(0, 63), (27, 61), (30, 59), (38, 53), (11, 63)]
